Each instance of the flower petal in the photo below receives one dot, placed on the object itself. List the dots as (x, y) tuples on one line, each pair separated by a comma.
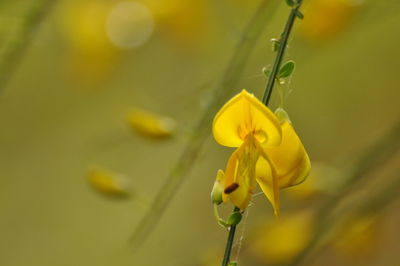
[(268, 182), (245, 114), (290, 162), (290, 158), (240, 175)]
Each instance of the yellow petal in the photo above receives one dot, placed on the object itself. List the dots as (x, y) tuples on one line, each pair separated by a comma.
[(151, 125), (269, 183), (290, 163), (290, 158), (240, 175), (245, 114), (108, 183)]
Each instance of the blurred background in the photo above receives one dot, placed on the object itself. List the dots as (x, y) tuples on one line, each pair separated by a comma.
[(98, 98)]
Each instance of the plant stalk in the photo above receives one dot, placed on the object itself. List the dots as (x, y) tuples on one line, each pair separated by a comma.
[(281, 52), (229, 242), (267, 95)]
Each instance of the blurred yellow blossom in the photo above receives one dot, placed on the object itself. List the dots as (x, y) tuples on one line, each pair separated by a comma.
[(96, 31), (109, 183), (185, 21), (129, 24), (326, 18), (279, 240), (357, 236), (151, 125), (83, 24), (268, 152)]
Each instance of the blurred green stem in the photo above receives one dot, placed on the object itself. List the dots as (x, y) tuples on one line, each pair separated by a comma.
[(223, 89), (383, 149), (15, 48), (281, 52)]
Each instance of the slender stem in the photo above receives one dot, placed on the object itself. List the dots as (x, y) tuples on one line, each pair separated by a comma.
[(17, 46), (281, 52), (229, 242)]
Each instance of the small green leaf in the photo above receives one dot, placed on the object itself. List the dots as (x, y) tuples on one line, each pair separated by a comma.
[(233, 263), (290, 3), (299, 14), (286, 70), (266, 71), (275, 44), (234, 219), (282, 115)]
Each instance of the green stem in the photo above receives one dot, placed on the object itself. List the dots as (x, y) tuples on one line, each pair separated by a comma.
[(281, 52), (267, 95), (229, 242), (17, 46)]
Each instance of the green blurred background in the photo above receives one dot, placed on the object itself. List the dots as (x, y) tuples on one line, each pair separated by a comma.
[(64, 109)]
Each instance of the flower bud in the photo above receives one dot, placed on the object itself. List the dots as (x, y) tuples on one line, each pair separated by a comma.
[(234, 218), (282, 115), (218, 188)]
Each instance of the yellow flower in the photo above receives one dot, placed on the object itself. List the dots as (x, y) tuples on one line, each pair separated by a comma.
[(151, 125), (108, 183), (278, 241), (326, 18), (184, 21), (97, 32), (269, 151)]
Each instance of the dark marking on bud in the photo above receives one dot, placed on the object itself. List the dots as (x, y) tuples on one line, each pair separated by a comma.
[(232, 187)]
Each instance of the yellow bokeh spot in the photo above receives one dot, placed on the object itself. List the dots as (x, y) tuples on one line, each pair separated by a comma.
[(279, 240), (324, 19), (184, 21), (108, 183), (151, 125), (129, 24)]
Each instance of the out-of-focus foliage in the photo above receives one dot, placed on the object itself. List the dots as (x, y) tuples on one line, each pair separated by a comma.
[(358, 236), (88, 63)]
